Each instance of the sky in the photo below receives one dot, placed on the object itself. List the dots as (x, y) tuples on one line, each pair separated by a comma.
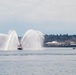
[(47, 16)]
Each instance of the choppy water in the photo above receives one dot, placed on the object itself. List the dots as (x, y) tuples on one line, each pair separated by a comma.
[(50, 61)]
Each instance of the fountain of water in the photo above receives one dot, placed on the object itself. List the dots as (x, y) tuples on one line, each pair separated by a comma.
[(3, 40), (9, 41), (32, 39), (12, 42)]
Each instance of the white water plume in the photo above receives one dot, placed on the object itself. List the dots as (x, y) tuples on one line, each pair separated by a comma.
[(3, 41), (32, 39), (12, 42), (9, 41)]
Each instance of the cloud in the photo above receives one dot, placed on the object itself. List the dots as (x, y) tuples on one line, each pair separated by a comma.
[(39, 10), (50, 16)]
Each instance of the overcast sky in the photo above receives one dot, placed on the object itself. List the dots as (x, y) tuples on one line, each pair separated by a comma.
[(48, 16)]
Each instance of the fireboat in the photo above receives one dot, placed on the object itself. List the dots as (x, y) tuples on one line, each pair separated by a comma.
[(20, 47)]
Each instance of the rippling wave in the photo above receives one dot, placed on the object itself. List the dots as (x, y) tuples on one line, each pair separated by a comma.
[(26, 53)]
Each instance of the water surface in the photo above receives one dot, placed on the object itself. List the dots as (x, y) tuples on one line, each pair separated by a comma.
[(50, 61)]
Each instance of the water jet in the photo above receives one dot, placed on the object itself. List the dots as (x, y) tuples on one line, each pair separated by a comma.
[(3, 41), (9, 41), (32, 39)]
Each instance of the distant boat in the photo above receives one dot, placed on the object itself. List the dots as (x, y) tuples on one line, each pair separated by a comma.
[(73, 47)]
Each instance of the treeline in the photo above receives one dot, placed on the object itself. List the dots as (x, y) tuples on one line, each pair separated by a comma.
[(59, 38)]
